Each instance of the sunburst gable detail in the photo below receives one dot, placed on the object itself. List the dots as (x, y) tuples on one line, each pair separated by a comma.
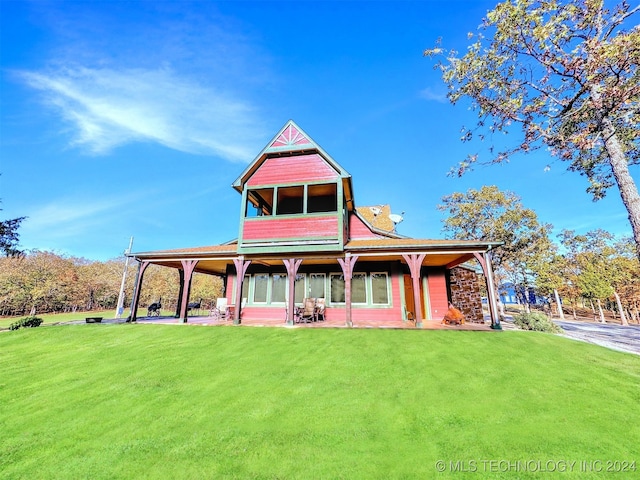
[(290, 137)]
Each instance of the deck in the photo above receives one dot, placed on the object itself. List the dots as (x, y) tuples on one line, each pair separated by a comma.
[(205, 320)]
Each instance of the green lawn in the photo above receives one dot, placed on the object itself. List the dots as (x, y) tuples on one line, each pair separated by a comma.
[(149, 401), (50, 318)]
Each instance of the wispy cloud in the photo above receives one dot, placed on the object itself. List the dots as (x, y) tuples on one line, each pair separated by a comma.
[(110, 107), (434, 95), (73, 216)]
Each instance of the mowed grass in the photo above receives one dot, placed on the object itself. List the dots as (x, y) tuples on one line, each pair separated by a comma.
[(49, 318), (149, 401)]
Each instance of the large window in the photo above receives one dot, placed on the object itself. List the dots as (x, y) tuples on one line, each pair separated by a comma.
[(290, 200), (316, 285), (259, 202), (365, 288), (260, 285), (337, 288), (322, 198), (278, 287), (379, 289), (359, 288)]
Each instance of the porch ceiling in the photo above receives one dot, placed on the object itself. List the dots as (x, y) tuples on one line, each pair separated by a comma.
[(215, 259)]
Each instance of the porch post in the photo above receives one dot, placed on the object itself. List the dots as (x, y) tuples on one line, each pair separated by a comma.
[(292, 265), (485, 263), (347, 270), (188, 266), (180, 292), (135, 299), (241, 267), (415, 264)]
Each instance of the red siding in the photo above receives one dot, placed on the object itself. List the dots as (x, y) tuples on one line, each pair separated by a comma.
[(438, 294), (286, 228), (296, 169), (358, 230)]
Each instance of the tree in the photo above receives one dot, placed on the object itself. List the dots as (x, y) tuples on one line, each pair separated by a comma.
[(493, 215), (566, 72), (601, 267), (9, 236)]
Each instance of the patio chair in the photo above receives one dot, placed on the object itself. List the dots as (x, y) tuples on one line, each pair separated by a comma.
[(321, 306), (221, 311), (308, 313), (297, 312)]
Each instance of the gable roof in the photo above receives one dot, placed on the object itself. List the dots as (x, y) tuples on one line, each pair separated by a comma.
[(377, 217), (292, 140)]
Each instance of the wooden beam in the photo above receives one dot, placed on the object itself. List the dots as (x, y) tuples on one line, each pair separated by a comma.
[(347, 270), (188, 266), (241, 267), (292, 265), (135, 301), (485, 263), (180, 292), (414, 260)]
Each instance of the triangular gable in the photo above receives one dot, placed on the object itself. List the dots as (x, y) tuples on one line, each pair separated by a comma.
[(292, 139)]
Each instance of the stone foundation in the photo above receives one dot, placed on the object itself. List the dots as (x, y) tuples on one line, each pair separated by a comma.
[(465, 293)]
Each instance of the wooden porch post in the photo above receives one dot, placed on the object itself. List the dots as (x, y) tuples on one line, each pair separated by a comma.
[(180, 292), (241, 267), (135, 300), (188, 266), (485, 263), (347, 270), (415, 264), (292, 265)]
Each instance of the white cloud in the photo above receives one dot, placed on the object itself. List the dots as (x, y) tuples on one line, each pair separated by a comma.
[(68, 217), (110, 107), (432, 94)]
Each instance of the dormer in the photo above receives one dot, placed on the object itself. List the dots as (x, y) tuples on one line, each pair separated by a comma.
[(295, 197)]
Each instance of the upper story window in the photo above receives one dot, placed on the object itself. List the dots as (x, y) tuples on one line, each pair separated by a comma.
[(291, 200), (259, 202), (322, 198)]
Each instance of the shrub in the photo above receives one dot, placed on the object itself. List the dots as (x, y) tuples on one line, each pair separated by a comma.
[(27, 322), (536, 321)]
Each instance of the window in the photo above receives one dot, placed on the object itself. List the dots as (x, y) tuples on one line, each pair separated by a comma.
[(359, 288), (300, 291), (365, 288), (337, 288), (322, 198), (261, 282), (259, 202), (245, 286), (290, 200), (278, 287), (316, 285), (379, 289)]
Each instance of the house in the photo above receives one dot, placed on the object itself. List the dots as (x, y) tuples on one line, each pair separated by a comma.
[(301, 236)]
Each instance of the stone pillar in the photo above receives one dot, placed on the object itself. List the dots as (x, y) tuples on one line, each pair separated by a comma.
[(465, 293)]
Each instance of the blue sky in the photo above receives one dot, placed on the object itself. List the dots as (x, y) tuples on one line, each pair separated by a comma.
[(124, 119)]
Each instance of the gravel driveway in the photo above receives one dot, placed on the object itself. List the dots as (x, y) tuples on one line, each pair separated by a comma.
[(617, 337)]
